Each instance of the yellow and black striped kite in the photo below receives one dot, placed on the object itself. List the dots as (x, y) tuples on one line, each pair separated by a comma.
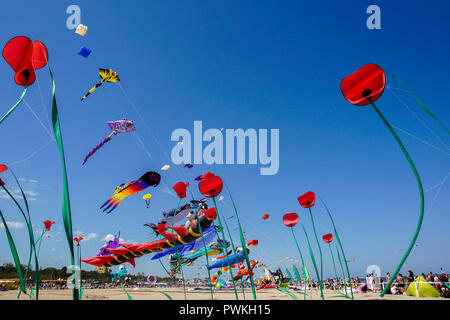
[(107, 75)]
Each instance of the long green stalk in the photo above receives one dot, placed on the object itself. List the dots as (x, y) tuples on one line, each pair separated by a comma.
[(422, 200), (17, 103), (320, 252), (301, 258)]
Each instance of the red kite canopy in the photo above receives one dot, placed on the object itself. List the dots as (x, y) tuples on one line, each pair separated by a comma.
[(307, 200), (252, 243), (211, 186), (328, 238), (290, 219), (48, 224), (180, 189), (264, 217), (2, 168), (24, 57), (367, 82), (78, 240), (211, 214)]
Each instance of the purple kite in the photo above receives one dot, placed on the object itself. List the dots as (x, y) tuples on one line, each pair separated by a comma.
[(119, 126)]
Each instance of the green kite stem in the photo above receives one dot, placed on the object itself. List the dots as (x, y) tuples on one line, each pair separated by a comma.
[(340, 245), (129, 297), (176, 249), (422, 200), (16, 259), (17, 103), (66, 213), (301, 258), (312, 257), (343, 274), (225, 249), (241, 235), (234, 252), (320, 252), (334, 266)]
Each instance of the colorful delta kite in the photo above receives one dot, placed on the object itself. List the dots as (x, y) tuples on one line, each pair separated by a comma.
[(24, 57), (107, 75), (182, 237), (84, 52), (81, 29), (119, 126), (149, 179)]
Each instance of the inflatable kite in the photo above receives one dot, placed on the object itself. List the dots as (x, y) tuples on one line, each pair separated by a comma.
[(24, 57), (112, 242), (119, 126), (363, 87), (183, 236), (107, 75), (265, 217), (78, 240), (149, 179), (48, 224), (235, 258)]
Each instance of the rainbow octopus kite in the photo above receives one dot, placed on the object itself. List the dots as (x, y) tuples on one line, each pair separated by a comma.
[(149, 179), (119, 126), (107, 75)]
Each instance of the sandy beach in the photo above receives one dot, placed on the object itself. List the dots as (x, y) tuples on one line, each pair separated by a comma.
[(177, 294)]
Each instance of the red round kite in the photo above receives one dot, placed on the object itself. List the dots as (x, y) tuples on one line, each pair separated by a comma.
[(24, 57), (211, 214), (180, 189), (48, 224), (307, 200), (266, 216), (78, 240), (210, 186), (364, 85), (252, 243), (328, 238), (290, 219)]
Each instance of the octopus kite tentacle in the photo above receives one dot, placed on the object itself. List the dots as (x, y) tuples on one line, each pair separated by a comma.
[(108, 138)]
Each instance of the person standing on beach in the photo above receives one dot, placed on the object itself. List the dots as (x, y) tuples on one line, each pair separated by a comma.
[(410, 276)]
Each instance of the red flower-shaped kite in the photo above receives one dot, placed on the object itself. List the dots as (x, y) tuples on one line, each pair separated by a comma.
[(307, 200), (266, 216), (180, 189), (24, 57), (78, 240), (328, 238), (211, 214), (290, 219), (48, 224), (367, 82), (211, 185), (2, 168)]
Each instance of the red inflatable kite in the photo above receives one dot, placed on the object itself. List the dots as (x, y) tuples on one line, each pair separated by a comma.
[(78, 240), (180, 189), (48, 224), (266, 216), (328, 238), (24, 57), (363, 85), (211, 185), (290, 219), (307, 200), (2, 168)]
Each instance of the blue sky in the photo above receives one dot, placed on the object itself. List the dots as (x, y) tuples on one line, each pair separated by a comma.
[(235, 64)]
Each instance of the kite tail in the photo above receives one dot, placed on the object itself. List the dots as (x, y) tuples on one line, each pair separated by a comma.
[(17, 103), (112, 202), (422, 199), (93, 89), (108, 138)]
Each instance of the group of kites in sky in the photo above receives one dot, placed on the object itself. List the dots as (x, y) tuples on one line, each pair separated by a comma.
[(194, 229)]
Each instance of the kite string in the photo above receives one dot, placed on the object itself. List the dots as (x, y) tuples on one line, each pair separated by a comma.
[(423, 141), (39, 120)]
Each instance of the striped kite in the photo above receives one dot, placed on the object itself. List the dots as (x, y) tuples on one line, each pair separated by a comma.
[(107, 75)]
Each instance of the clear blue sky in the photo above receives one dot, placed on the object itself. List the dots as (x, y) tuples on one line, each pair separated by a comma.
[(236, 64)]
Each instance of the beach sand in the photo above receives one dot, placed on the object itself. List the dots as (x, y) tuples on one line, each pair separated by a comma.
[(177, 294)]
